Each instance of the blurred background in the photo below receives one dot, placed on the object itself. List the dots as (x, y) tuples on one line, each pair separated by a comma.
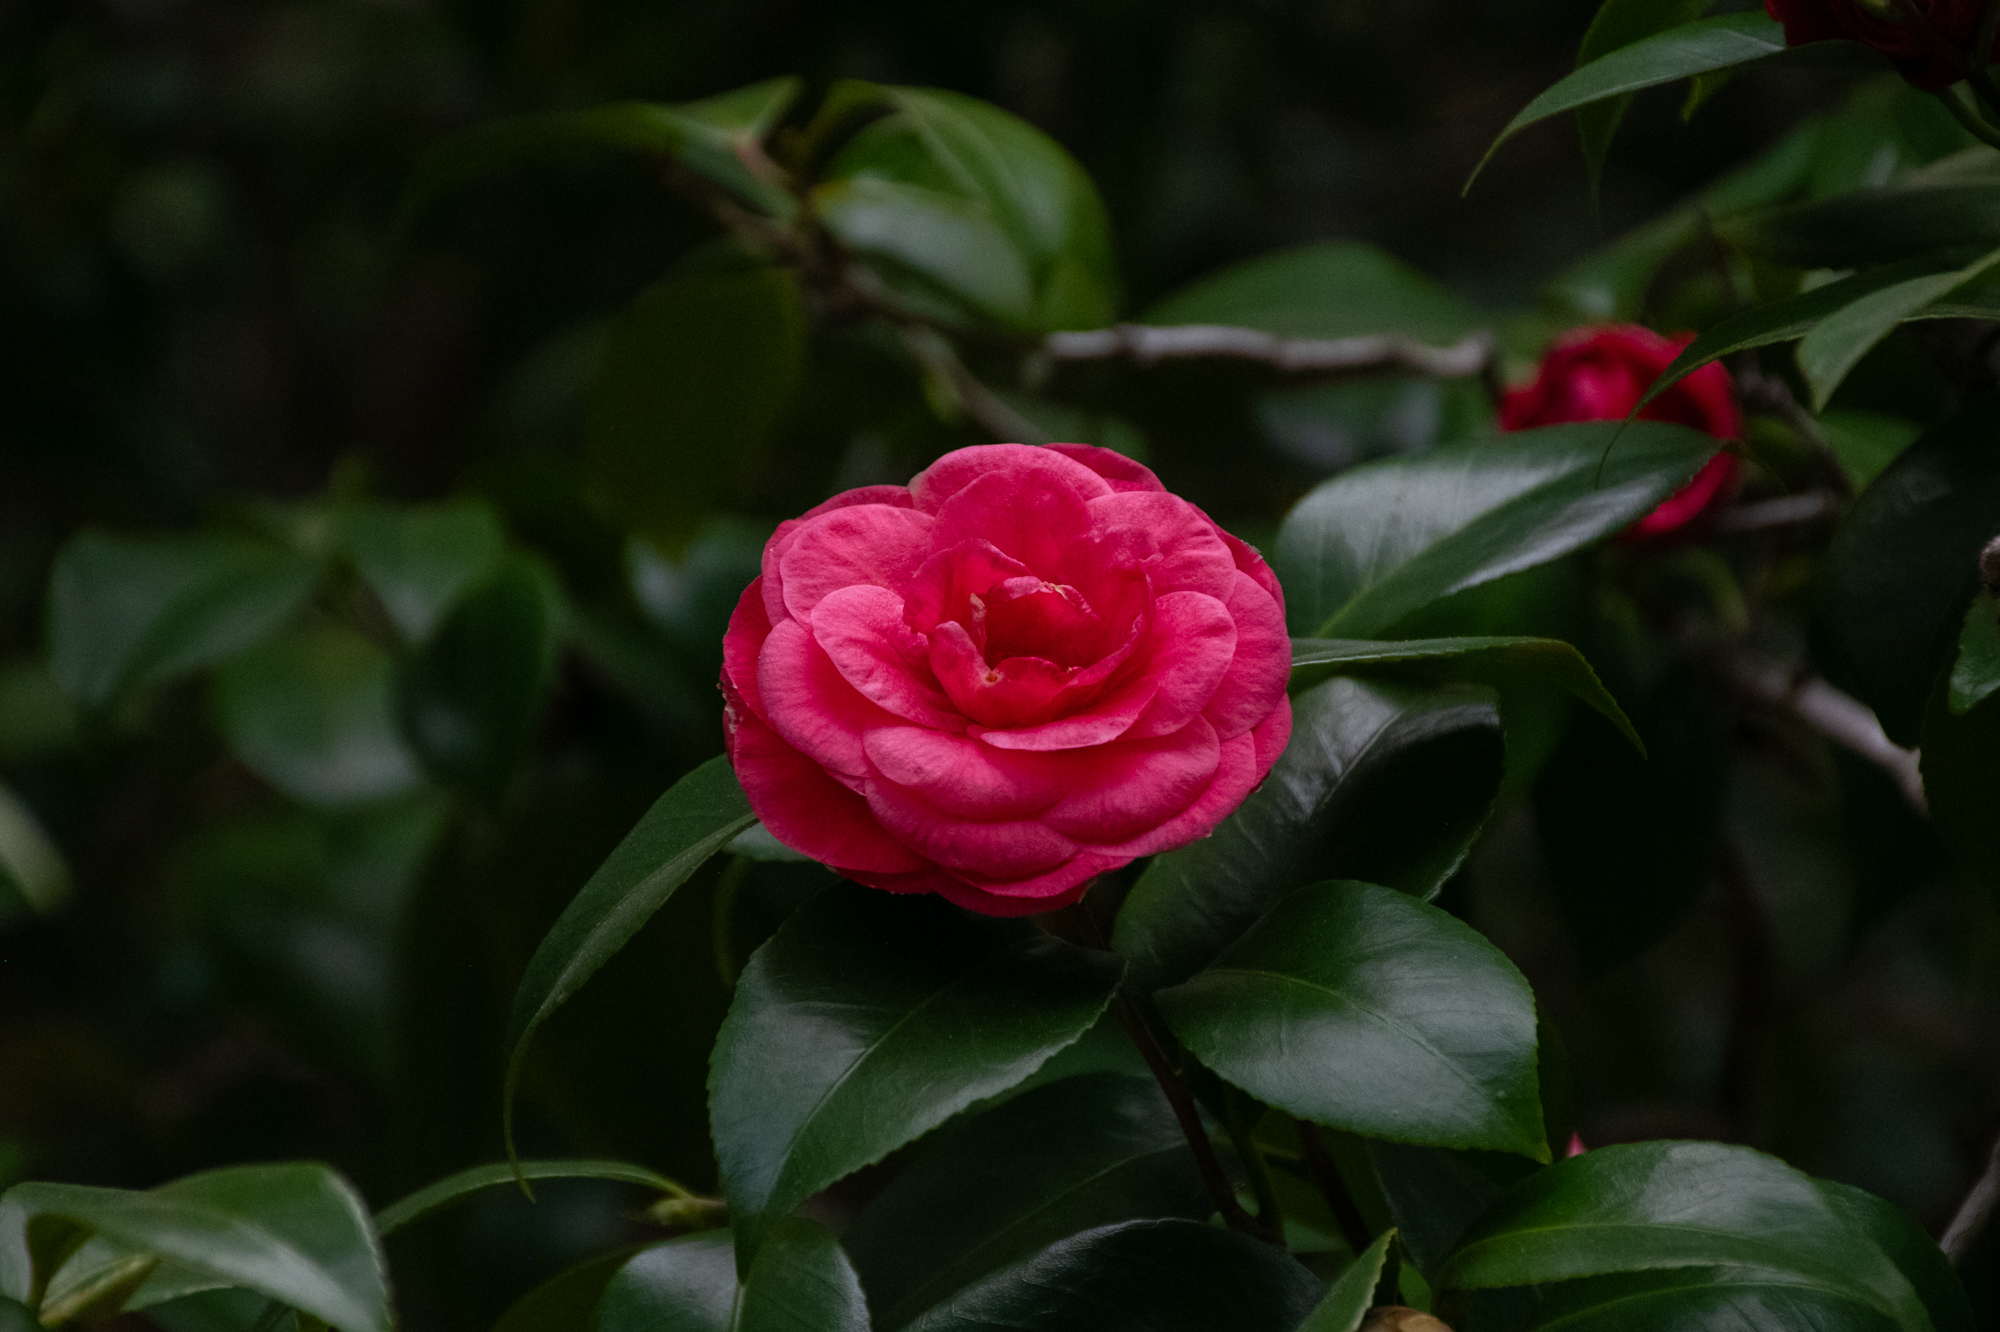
[(220, 307)]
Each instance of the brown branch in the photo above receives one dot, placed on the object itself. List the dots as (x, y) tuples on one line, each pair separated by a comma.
[(1839, 717), (1975, 1211), (1148, 345)]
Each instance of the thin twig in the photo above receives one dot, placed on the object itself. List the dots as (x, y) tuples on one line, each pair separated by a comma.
[(1785, 511), (1147, 345), (1326, 1177), (935, 353), (1975, 1211), (1839, 717), (1768, 393)]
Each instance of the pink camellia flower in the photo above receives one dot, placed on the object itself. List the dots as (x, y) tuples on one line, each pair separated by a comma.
[(1599, 374), (1931, 59), (1028, 667)]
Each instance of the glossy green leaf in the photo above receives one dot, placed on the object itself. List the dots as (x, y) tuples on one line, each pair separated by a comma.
[(127, 612), (1976, 672), (691, 381), (1962, 780), (870, 1019), (1620, 23), (996, 1188), (1361, 1008), (1902, 562), (313, 713), (696, 818), (455, 1188), (298, 1234), (566, 1302), (1330, 289), (1837, 343), (1348, 1299), (471, 697), (1746, 1298), (1370, 546), (950, 243), (1136, 1277), (1701, 47), (1910, 1247), (1380, 780), (1433, 1194), (1871, 226), (1559, 662), (1657, 1205), (801, 1282), (420, 559)]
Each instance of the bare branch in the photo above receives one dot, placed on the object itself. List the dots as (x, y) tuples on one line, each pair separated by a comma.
[(935, 353), (1837, 716), (1147, 345), (1785, 511), (1975, 1211)]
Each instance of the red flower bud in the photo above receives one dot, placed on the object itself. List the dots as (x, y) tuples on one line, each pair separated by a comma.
[(1931, 46)]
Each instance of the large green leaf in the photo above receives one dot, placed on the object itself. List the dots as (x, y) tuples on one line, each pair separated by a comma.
[(1329, 289), (126, 612), (455, 1188), (1361, 1008), (298, 1234), (1433, 1194), (313, 713), (1374, 544), (1747, 1299), (471, 697), (1871, 226), (1657, 1205), (420, 559), (566, 1302), (1896, 577), (1620, 23), (691, 380), (1143, 1276), (868, 1020), (696, 818), (1910, 1248), (993, 1189), (801, 1282), (1380, 781), (1347, 1300), (1975, 675), (1837, 343)]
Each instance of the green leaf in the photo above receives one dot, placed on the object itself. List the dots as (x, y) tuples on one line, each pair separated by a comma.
[(566, 1302), (30, 863), (1870, 226), (1434, 1194), (127, 612), (1962, 780), (1140, 1275), (454, 1188), (991, 1190), (313, 713), (1750, 1299), (298, 1234), (1347, 1301), (1895, 577), (946, 242), (420, 559), (692, 379), (1364, 1009), (1330, 289), (868, 1020), (697, 817), (1559, 662), (801, 1282), (1702, 47), (1838, 342), (1866, 442), (1620, 23), (471, 697), (1910, 1248), (1654, 1205), (1374, 544), (1976, 673), (1381, 781)]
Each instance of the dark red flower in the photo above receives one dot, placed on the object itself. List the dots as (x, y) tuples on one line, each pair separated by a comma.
[(1930, 47), (1599, 374)]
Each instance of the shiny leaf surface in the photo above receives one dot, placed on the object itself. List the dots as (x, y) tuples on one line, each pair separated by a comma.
[(1347, 1301), (801, 1282), (419, 560), (446, 1192), (1331, 289)]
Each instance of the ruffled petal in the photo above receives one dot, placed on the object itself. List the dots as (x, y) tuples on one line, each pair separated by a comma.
[(861, 630), (810, 704), (1190, 553), (895, 497), (1031, 516), (945, 583), (809, 811), (1077, 874), (1058, 887), (946, 477), (964, 778), (1123, 789), (749, 626), (1262, 666), (1272, 735), (1104, 720), (1007, 849), (865, 543), (1249, 561), (1236, 776), (1119, 471), (1194, 640)]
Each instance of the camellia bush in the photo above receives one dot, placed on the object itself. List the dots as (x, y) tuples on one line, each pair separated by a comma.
[(1090, 878)]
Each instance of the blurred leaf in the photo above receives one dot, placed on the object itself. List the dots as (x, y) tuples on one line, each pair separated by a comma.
[(1870, 226), (29, 861), (1961, 766), (1976, 673), (691, 380), (868, 1020), (1379, 780), (1346, 1303), (1680, 1204), (1316, 658), (696, 817), (446, 1192), (127, 612), (1618, 24), (800, 1282), (1866, 442), (420, 559), (1143, 1274), (1374, 544), (1364, 1009), (312, 712), (36, 717), (1331, 289), (1838, 342), (471, 697), (1903, 560), (566, 1302), (996, 1188), (1910, 1248), (298, 1234), (979, 205), (1434, 1193)]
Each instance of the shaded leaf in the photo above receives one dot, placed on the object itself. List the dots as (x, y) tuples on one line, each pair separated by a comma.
[(1361, 1008), (1618, 24), (1747, 1298), (1910, 1247), (455, 1188), (1347, 1301), (868, 1020), (420, 559), (801, 1282), (1330, 289), (30, 863), (1961, 766), (1870, 226), (566, 1302), (1838, 342), (1434, 1193), (1976, 673)]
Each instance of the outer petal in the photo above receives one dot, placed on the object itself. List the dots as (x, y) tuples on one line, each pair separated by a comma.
[(1059, 887), (1082, 870), (1236, 776), (1272, 735), (964, 778), (1117, 469), (1128, 788), (1104, 720), (809, 811), (896, 497), (1250, 562), (1194, 642), (1191, 555), (1017, 848), (1031, 516), (749, 626), (812, 706), (1262, 666), (865, 543), (861, 630), (955, 471), (1716, 476)]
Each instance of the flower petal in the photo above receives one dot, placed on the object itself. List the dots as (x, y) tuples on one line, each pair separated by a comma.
[(1190, 553), (1008, 849), (964, 778), (864, 543), (936, 484), (808, 810), (810, 704), (895, 497), (1031, 516), (1118, 470), (1126, 788), (1236, 776), (1105, 719), (1058, 887), (943, 585), (1194, 641), (749, 626), (1272, 735), (1262, 666), (861, 630)]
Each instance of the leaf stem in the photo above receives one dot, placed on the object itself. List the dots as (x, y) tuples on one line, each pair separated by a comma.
[(1189, 1115), (1326, 1177)]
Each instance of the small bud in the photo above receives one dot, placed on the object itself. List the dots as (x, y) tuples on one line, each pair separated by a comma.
[(689, 1213), (1395, 1318)]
